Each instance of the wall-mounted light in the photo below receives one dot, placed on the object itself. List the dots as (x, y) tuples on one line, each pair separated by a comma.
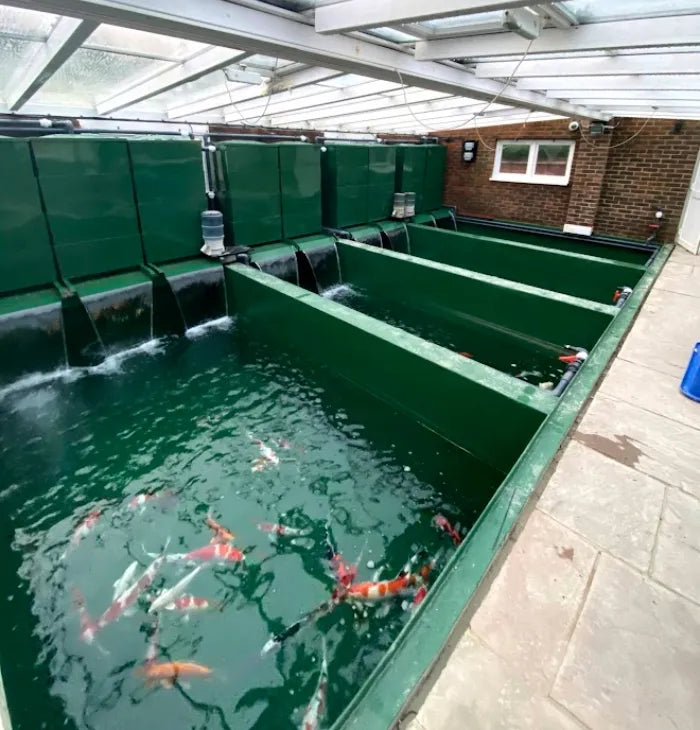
[(469, 147)]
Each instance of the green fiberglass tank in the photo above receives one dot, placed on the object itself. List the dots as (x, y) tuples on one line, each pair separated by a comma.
[(434, 181), (345, 179), (382, 173), (25, 252), (300, 187), (410, 171), (168, 179), (89, 199), (248, 192)]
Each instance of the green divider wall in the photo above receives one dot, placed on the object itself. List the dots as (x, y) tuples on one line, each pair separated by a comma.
[(410, 374), (169, 183), (591, 248), (380, 189), (569, 273), (248, 192), (90, 209), (410, 171), (26, 259), (300, 186), (434, 182), (457, 294), (345, 175)]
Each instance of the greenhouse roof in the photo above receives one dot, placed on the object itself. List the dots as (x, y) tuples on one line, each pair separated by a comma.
[(350, 66)]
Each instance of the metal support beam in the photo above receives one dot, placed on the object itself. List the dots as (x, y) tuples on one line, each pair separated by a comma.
[(221, 23), (212, 59), (66, 37), (613, 83), (645, 33), (653, 63), (359, 14), (606, 97)]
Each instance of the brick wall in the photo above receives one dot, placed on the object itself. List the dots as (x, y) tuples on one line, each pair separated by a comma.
[(614, 187)]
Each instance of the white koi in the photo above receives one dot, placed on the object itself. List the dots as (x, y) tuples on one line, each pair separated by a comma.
[(317, 707), (171, 594), (267, 457), (125, 580)]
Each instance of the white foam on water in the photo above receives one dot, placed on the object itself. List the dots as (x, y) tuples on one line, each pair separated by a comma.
[(34, 380), (338, 291), (113, 363), (222, 324)]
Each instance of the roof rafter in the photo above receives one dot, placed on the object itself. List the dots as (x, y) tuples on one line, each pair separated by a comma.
[(613, 83), (217, 22)]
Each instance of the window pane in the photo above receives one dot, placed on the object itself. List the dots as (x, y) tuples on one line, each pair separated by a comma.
[(552, 159), (514, 158)]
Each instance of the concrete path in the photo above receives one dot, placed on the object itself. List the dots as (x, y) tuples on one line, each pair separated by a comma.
[(593, 620)]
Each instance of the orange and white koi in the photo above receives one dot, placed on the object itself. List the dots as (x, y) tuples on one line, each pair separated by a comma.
[(267, 456), (171, 594), (189, 604), (218, 553), (168, 672), (221, 534), (317, 707), (281, 530), (369, 592), (84, 528), (130, 595), (442, 523), (344, 573)]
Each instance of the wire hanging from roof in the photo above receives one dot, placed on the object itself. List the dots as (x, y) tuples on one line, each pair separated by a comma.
[(267, 101)]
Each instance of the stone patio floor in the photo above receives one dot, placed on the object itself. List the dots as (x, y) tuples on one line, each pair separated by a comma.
[(593, 619)]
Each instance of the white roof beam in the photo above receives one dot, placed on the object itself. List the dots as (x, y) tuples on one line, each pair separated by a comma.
[(613, 83), (66, 37), (221, 23), (557, 14), (358, 14), (606, 97), (653, 63), (426, 118), (222, 96), (651, 102), (194, 68), (651, 32)]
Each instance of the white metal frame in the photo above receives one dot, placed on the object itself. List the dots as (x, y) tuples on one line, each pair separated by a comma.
[(529, 176)]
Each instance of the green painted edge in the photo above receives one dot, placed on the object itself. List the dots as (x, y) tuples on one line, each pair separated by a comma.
[(378, 703), (533, 247), (111, 282), (186, 266), (486, 278), (20, 302)]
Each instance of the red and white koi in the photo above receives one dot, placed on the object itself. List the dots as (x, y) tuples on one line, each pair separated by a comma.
[(317, 707), (88, 627), (221, 534), (267, 457), (125, 580), (344, 573), (217, 553), (84, 528), (442, 523), (189, 604), (130, 595), (273, 528), (370, 592), (171, 594)]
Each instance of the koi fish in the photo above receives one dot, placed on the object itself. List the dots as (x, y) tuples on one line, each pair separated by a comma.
[(276, 641), (317, 707), (188, 604), (167, 672), (121, 583), (281, 530), (370, 592), (345, 574), (141, 501), (130, 594), (419, 596), (442, 523), (172, 593), (88, 627), (218, 552), (267, 456), (466, 354), (152, 650), (221, 534), (84, 528)]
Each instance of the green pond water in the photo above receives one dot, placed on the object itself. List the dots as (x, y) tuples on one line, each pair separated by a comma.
[(530, 360), (183, 415)]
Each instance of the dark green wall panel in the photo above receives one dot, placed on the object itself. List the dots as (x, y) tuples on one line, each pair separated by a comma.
[(248, 192), (382, 174), (300, 186), (345, 174), (575, 274), (25, 252), (455, 294), (410, 171), (434, 182), (169, 182), (87, 189), (414, 376)]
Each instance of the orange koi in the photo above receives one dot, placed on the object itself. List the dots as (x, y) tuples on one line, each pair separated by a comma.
[(221, 534), (379, 590), (442, 523), (167, 672)]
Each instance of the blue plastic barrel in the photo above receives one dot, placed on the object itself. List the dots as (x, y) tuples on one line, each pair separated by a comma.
[(690, 385)]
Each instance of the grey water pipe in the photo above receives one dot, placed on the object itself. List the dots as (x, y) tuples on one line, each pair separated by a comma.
[(622, 294), (571, 370), (260, 136)]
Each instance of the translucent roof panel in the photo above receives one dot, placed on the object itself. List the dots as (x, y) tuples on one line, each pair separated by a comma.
[(89, 74), (13, 53), (23, 23), (592, 11), (138, 42)]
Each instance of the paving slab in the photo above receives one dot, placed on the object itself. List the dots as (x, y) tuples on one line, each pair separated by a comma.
[(614, 506), (531, 607), (682, 278), (682, 256), (633, 661), (651, 390), (664, 333), (652, 444), (477, 690), (676, 562)]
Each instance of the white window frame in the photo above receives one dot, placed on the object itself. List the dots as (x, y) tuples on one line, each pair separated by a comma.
[(529, 176)]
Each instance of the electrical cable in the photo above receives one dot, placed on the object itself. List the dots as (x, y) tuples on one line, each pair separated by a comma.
[(267, 102), (624, 141)]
